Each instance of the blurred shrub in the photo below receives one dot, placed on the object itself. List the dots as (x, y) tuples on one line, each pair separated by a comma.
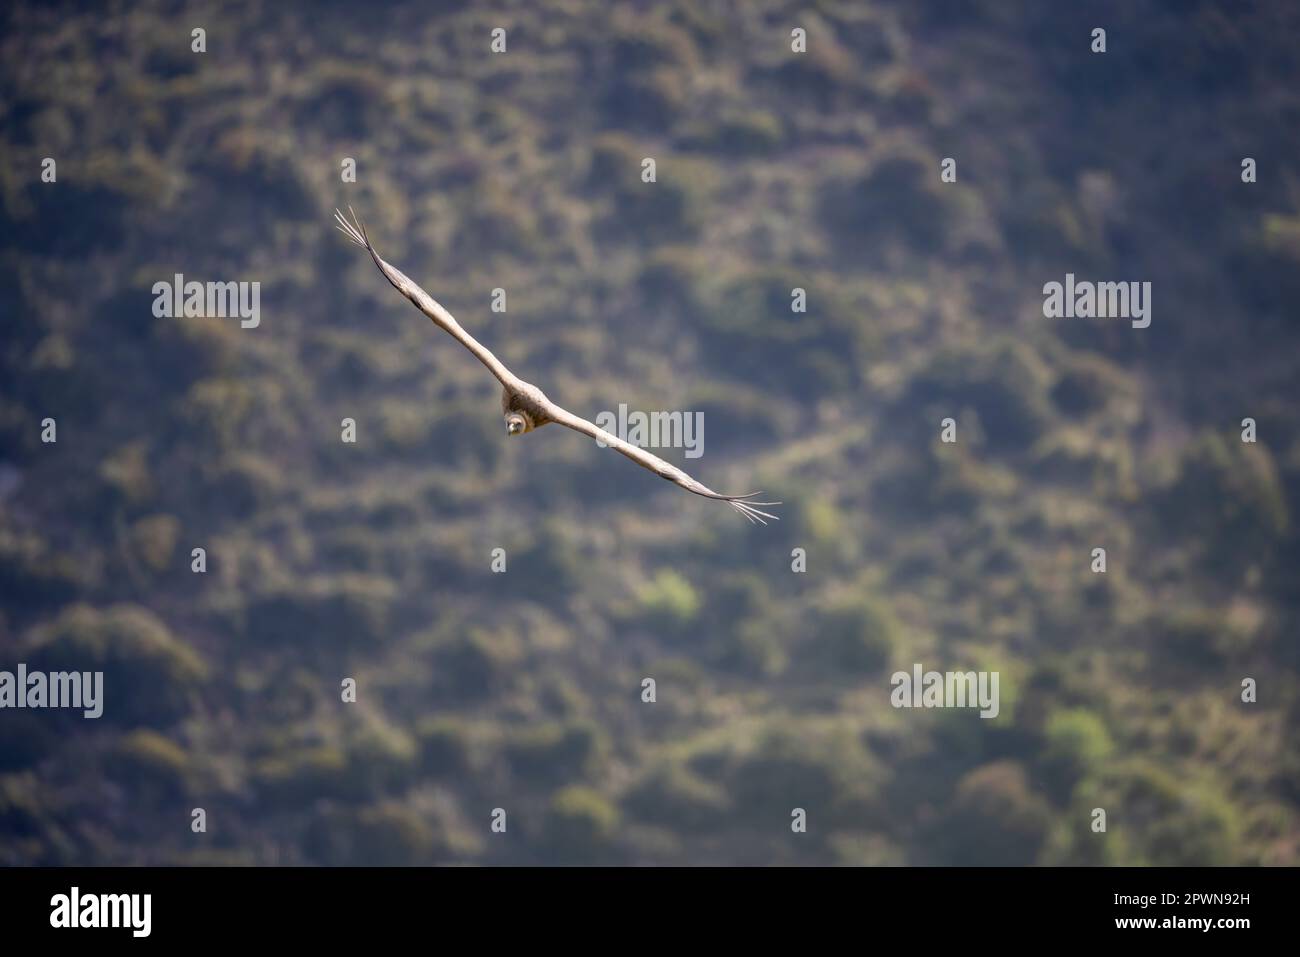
[(670, 209), (240, 484), (748, 133), (822, 81), (347, 612), (1168, 822), (668, 601), (552, 754), (445, 745), (149, 766), (580, 824), (496, 224), (995, 819), (1006, 382), (1089, 383), (1042, 219), (641, 42), (127, 473), (672, 797), (1262, 263), (25, 738), (381, 756), (741, 628), (650, 101), (750, 330), (674, 277), (22, 808), (900, 197), (477, 664), (302, 775), (459, 435), (192, 350), (73, 221), (800, 766), (385, 835), (242, 176), (150, 677), (154, 539), (754, 648), (854, 636), (1187, 638), (219, 408), (1225, 498), (1075, 745), (555, 567), (35, 579)]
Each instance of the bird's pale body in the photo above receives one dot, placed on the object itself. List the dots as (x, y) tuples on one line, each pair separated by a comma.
[(524, 407)]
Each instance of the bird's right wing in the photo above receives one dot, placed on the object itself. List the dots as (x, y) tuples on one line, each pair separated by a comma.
[(356, 232), (743, 504)]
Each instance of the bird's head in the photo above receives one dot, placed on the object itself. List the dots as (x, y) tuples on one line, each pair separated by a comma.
[(517, 424)]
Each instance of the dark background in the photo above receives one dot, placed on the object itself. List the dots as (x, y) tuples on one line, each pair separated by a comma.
[(522, 690)]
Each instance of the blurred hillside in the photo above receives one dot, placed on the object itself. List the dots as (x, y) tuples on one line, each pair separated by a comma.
[(522, 690)]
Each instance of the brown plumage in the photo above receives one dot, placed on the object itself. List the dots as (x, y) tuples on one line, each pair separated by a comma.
[(525, 406)]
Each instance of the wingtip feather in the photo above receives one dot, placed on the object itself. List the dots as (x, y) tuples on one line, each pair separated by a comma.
[(356, 235), (748, 510)]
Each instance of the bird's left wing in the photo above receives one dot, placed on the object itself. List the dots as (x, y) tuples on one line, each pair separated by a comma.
[(744, 504), (404, 284)]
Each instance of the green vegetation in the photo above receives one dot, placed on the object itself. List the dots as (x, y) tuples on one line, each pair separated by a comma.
[(523, 690)]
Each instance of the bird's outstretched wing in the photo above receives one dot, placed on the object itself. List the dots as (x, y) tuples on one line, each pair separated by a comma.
[(744, 504), (403, 283)]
